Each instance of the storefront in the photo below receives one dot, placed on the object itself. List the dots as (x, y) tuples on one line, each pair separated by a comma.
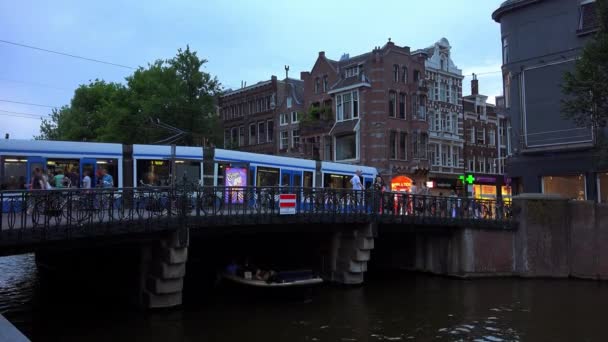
[(442, 186), (490, 187)]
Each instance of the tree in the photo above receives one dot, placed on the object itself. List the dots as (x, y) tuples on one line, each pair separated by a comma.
[(175, 91), (587, 87)]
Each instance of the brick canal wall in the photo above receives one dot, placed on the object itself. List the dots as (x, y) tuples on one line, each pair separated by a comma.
[(554, 238)]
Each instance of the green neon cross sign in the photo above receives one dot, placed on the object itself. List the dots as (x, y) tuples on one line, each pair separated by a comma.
[(469, 178)]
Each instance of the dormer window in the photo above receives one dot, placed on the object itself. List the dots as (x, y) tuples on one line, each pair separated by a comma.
[(352, 71), (317, 85), (325, 84), (404, 74)]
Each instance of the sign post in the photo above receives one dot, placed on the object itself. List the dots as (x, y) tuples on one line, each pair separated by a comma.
[(287, 204)]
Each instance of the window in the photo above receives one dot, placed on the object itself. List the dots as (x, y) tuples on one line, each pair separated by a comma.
[(284, 119), (433, 153), (572, 187), (436, 92), (401, 106), (442, 63), (448, 123), (355, 104), (352, 71), (506, 81), (347, 106), (295, 117), (444, 156), (226, 137), (403, 146), (471, 135), (455, 156), (391, 104), (252, 132), (284, 143), (437, 122), (261, 132), (491, 138), (393, 145), (454, 127), (442, 89), (289, 102), (505, 50), (416, 75), (339, 108), (317, 85), (481, 137), (270, 131), (404, 74), (422, 108), (415, 107), (295, 138), (346, 147), (588, 19), (241, 136), (395, 73), (325, 84), (448, 96), (471, 165), (602, 180), (234, 139)]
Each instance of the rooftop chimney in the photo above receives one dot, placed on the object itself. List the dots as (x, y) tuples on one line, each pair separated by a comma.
[(474, 85), (286, 71), (321, 53)]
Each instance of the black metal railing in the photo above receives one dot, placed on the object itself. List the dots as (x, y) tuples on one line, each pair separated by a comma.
[(163, 207)]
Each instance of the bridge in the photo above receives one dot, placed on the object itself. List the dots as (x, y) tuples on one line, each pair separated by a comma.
[(41, 216), (162, 221)]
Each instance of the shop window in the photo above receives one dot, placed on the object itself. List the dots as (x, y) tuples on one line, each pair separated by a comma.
[(571, 187)]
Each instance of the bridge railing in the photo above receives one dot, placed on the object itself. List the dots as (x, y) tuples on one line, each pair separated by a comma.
[(162, 206)]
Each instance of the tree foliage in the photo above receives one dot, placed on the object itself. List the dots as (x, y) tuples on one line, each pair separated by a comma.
[(586, 88), (176, 91)]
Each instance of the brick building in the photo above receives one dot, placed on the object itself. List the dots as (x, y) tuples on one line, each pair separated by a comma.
[(263, 118), (485, 145), (369, 109), (444, 115)]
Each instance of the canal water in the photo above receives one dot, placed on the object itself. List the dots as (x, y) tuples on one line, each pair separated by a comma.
[(389, 307)]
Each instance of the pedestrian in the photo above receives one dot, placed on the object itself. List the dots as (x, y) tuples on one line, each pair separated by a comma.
[(86, 180), (357, 185), (107, 181), (379, 187)]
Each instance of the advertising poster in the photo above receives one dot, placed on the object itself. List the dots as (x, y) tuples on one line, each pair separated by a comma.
[(235, 177)]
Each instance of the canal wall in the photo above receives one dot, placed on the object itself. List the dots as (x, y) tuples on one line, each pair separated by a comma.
[(554, 238)]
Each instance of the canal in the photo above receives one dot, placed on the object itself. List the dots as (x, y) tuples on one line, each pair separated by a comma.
[(391, 306)]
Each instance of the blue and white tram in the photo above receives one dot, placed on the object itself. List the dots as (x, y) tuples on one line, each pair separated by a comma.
[(150, 165), (19, 158)]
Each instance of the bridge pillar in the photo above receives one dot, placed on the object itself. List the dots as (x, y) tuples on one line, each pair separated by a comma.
[(163, 269), (350, 252)]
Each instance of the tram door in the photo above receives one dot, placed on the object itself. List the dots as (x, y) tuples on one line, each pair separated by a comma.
[(290, 179), (32, 164), (90, 165)]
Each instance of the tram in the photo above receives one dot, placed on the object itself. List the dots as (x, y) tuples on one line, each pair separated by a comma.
[(155, 165)]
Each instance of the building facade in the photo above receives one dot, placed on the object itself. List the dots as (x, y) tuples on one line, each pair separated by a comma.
[(485, 147), (369, 109), (540, 41), (264, 117), (444, 115)]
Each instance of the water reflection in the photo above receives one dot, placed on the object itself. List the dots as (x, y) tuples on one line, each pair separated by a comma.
[(390, 307)]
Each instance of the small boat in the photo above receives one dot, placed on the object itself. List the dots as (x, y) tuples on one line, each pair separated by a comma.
[(280, 279)]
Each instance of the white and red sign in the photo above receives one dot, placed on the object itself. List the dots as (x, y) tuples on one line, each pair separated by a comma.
[(287, 204)]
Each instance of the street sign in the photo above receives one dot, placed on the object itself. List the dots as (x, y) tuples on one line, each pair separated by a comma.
[(287, 204)]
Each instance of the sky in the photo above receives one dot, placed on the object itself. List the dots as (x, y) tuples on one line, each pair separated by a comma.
[(242, 41)]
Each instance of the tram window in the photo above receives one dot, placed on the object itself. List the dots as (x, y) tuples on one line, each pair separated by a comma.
[(267, 176), (308, 179), (14, 173), (336, 181), (111, 166), (221, 168), (190, 170), (67, 167), (153, 172)]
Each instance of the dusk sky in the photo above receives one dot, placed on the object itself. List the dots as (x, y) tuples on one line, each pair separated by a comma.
[(242, 40)]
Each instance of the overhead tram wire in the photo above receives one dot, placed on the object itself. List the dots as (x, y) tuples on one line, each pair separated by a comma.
[(35, 84), (29, 104), (67, 54)]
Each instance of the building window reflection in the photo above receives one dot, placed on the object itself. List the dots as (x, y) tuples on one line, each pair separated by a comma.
[(571, 187)]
